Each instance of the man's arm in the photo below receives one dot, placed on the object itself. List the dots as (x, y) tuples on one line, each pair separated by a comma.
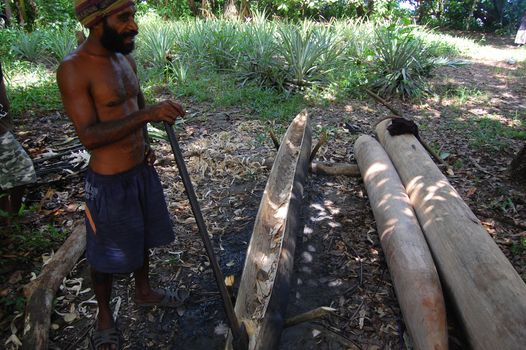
[(80, 107), (141, 103)]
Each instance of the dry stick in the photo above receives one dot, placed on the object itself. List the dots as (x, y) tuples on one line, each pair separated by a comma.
[(274, 139), (321, 142), (309, 316), (384, 102), (400, 114), (41, 291)]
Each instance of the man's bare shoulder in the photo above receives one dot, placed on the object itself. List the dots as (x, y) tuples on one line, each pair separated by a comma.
[(76, 62)]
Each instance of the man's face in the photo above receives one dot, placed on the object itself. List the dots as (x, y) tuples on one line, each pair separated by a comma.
[(117, 42)]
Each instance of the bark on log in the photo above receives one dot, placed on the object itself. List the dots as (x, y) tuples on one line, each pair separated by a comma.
[(41, 291), (488, 294), (410, 262)]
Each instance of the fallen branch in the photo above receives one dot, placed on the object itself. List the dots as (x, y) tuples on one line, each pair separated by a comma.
[(384, 102), (41, 291), (309, 316), (335, 169)]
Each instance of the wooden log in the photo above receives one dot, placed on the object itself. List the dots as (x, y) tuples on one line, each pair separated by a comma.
[(263, 293), (488, 294), (41, 291), (411, 265), (334, 169)]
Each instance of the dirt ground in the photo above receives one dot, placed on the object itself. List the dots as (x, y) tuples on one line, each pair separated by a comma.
[(338, 261)]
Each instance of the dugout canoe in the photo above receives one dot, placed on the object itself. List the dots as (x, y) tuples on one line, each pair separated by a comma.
[(411, 265), (488, 294), (264, 287)]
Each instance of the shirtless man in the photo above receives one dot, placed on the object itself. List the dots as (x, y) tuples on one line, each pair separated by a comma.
[(125, 207)]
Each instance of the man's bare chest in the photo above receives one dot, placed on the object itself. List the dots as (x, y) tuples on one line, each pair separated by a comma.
[(113, 85)]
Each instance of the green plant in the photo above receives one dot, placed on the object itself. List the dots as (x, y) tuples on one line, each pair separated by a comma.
[(258, 61), (156, 42), (309, 52), (28, 46), (401, 62), (60, 43), (520, 247)]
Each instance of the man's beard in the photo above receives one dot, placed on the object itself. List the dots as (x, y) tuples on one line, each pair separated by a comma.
[(113, 41)]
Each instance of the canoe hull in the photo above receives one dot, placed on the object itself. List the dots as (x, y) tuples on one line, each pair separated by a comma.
[(264, 288)]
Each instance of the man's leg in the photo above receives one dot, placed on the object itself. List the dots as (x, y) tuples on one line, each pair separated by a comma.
[(10, 202), (143, 291), (102, 284)]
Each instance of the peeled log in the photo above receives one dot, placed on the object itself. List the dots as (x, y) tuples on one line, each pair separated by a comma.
[(410, 262), (41, 291), (487, 292)]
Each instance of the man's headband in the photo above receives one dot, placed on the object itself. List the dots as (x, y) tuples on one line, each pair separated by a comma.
[(92, 12)]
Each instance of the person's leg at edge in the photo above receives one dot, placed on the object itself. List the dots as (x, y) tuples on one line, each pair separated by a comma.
[(102, 284), (10, 202), (143, 290)]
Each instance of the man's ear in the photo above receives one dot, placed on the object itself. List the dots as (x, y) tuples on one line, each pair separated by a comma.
[(97, 29)]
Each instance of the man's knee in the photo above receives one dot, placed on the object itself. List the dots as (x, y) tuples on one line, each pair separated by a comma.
[(100, 277)]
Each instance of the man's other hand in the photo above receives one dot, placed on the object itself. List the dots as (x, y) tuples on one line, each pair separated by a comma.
[(150, 156), (166, 111)]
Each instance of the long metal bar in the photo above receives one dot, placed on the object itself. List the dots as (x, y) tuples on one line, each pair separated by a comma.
[(238, 331)]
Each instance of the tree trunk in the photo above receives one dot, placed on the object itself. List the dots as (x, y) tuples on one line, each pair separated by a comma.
[(193, 7), (411, 265), (244, 11), (420, 10), (230, 10), (41, 291), (21, 11), (471, 12), (205, 9), (486, 291), (518, 165), (499, 7), (370, 7), (8, 12)]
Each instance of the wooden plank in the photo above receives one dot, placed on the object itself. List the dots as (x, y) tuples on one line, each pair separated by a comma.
[(263, 293), (411, 265), (488, 294)]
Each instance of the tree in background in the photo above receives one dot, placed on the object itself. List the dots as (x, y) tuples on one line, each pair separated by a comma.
[(470, 14), (230, 9)]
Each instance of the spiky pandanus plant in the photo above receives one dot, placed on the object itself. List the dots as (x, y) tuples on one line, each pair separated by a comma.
[(60, 43), (29, 46), (401, 62), (258, 61), (156, 42), (308, 51)]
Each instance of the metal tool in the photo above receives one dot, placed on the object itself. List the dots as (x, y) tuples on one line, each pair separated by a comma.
[(238, 330)]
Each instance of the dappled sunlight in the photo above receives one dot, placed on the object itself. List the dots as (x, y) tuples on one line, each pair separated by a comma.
[(374, 169)]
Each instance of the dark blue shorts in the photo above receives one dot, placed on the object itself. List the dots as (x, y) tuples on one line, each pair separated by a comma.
[(125, 214)]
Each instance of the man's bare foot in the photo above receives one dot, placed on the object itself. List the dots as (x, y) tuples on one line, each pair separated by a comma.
[(162, 298)]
